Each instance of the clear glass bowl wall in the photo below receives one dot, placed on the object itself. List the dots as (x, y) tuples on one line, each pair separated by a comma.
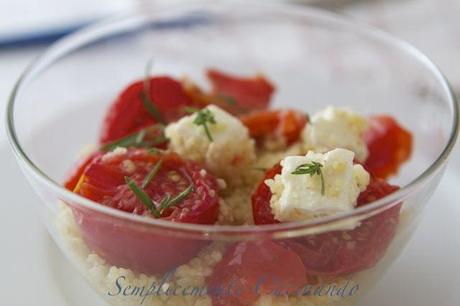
[(314, 59)]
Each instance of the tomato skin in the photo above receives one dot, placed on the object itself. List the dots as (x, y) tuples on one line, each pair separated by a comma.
[(285, 123), (250, 93), (339, 252), (143, 248), (343, 252), (251, 269), (74, 176), (128, 114), (389, 145), (237, 95), (261, 210)]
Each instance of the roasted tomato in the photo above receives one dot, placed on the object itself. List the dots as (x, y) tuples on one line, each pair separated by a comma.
[(342, 252), (74, 176), (275, 123), (251, 269), (261, 210), (237, 95), (148, 137), (133, 110), (389, 146), (249, 93), (339, 252), (140, 247)]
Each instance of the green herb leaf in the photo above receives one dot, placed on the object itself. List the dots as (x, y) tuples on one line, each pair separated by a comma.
[(136, 139), (191, 110), (227, 99), (313, 168), (142, 196), (152, 173), (155, 141), (164, 202), (181, 196), (149, 105), (203, 118), (156, 151), (140, 137), (168, 202)]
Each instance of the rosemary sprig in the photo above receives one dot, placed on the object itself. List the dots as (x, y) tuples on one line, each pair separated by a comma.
[(313, 168), (136, 139), (156, 151), (203, 118), (152, 173), (149, 105), (155, 141), (164, 202), (180, 197), (157, 208), (142, 196), (140, 137), (227, 99), (168, 202), (191, 110)]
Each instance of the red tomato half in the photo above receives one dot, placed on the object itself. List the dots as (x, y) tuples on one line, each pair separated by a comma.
[(237, 95), (251, 269), (142, 248), (74, 176), (153, 137), (261, 210), (284, 123), (128, 113), (249, 93), (340, 252), (343, 252), (389, 146)]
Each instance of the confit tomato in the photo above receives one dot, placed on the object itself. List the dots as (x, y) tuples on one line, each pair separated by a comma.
[(338, 252), (237, 95), (251, 269), (389, 145), (148, 137), (342, 252), (249, 93), (140, 247), (261, 210), (74, 176), (282, 123), (129, 113)]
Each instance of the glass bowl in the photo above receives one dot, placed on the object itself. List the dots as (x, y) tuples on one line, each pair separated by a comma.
[(314, 58)]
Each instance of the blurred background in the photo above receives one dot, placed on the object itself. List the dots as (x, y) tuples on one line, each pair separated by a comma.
[(28, 26)]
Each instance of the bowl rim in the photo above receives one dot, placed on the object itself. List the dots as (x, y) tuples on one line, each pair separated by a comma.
[(282, 230)]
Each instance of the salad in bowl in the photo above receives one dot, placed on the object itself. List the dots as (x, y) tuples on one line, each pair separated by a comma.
[(204, 182)]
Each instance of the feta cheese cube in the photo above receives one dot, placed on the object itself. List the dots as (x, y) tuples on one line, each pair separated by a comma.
[(334, 128), (230, 151), (299, 196)]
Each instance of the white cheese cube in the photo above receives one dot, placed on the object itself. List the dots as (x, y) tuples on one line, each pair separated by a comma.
[(334, 128), (299, 196), (230, 152)]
